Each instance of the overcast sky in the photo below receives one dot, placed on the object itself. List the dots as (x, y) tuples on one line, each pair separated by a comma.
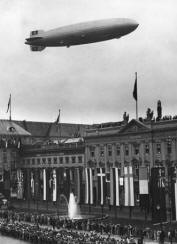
[(90, 83)]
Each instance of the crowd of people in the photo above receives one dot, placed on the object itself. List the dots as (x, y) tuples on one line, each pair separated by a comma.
[(45, 228)]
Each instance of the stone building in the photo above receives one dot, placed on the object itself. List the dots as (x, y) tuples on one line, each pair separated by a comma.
[(148, 143)]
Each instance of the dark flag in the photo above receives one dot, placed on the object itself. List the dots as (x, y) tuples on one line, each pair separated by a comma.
[(158, 194), (78, 184), (173, 193), (135, 95), (58, 118), (9, 104)]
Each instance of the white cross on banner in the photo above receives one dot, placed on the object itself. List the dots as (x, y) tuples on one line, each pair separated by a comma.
[(101, 184), (129, 186)]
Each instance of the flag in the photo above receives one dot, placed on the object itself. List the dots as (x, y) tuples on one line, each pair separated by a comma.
[(19, 184), (114, 187), (135, 95), (58, 118), (54, 186), (129, 186), (89, 186), (144, 187), (143, 180), (173, 182), (44, 184), (158, 195), (101, 185), (9, 104), (32, 184), (78, 183)]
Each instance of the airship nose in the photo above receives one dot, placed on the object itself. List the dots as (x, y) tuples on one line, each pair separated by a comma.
[(128, 25)]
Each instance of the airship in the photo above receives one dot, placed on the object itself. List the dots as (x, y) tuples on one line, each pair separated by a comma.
[(81, 33)]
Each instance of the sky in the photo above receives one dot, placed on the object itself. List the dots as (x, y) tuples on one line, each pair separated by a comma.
[(90, 83)]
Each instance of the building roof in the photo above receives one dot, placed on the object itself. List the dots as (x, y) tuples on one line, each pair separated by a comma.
[(10, 128), (48, 129)]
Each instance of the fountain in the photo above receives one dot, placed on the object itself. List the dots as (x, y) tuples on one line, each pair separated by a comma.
[(73, 208)]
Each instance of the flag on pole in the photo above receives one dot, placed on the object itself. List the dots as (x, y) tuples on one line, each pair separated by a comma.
[(129, 186), (58, 118), (114, 187), (101, 185), (9, 104), (135, 94)]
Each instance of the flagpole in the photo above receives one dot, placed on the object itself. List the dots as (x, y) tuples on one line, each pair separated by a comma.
[(137, 96), (10, 117)]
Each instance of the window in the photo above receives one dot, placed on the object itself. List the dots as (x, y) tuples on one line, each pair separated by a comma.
[(147, 148), (49, 161), (67, 160), (43, 160), (80, 159), (61, 160), (92, 151), (126, 150), (55, 160), (73, 160), (136, 149), (101, 151), (136, 170), (33, 161), (118, 150), (109, 150), (158, 148), (38, 161)]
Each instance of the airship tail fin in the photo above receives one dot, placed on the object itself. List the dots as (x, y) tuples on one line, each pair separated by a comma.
[(36, 33), (36, 48)]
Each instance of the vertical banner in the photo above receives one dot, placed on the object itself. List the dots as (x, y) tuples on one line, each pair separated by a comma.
[(54, 185), (25, 184), (78, 182), (129, 186), (89, 186), (101, 185), (19, 184), (158, 194), (114, 187), (32, 184), (44, 184), (144, 187), (173, 180)]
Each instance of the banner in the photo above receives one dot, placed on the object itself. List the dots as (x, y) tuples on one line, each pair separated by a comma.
[(128, 186), (158, 194), (54, 186), (114, 187), (89, 186), (101, 185), (19, 184)]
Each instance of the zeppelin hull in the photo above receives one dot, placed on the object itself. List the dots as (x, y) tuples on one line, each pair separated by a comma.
[(83, 33)]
